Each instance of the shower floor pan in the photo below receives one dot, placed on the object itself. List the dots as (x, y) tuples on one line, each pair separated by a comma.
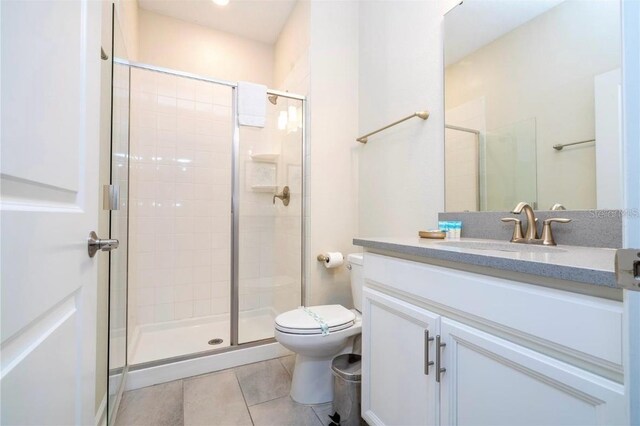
[(153, 342)]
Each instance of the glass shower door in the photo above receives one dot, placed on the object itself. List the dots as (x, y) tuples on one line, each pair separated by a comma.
[(270, 201), (119, 224)]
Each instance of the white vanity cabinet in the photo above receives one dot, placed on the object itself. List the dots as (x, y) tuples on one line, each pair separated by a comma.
[(396, 385), (508, 358)]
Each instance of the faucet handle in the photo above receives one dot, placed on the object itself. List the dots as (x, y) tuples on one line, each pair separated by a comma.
[(517, 229), (547, 235)]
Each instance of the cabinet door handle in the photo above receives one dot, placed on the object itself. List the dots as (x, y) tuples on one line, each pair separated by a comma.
[(427, 363), (439, 368)]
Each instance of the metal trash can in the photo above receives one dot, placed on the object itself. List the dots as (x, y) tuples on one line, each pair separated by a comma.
[(347, 379)]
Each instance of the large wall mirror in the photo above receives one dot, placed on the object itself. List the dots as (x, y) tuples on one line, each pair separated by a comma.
[(532, 104)]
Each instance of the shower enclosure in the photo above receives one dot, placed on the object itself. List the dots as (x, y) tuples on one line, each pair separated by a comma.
[(214, 255)]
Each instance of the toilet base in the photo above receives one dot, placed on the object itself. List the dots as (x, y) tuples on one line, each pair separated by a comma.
[(312, 381)]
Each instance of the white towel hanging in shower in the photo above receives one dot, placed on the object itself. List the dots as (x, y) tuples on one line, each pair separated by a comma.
[(252, 104)]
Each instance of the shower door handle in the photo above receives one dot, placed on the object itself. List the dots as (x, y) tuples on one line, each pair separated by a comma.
[(94, 244)]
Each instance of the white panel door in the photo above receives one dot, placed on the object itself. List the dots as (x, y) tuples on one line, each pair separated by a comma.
[(490, 381), (50, 55), (396, 389)]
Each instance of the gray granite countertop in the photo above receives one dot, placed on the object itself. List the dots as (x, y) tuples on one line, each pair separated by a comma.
[(571, 263)]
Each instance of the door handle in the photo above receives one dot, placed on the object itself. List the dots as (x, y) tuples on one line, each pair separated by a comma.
[(427, 363), (95, 244), (439, 368)]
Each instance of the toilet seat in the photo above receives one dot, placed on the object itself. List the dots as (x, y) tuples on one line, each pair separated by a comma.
[(298, 321)]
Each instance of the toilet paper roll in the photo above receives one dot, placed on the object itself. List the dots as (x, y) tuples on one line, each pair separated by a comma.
[(335, 259)]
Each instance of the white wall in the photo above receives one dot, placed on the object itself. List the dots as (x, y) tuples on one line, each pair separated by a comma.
[(550, 77), (291, 51), (183, 46), (401, 170), (331, 157), (127, 12)]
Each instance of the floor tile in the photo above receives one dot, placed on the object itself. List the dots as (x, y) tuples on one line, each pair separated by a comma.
[(288, 362), (159, 405), (214, 399), (283, 412), (263, 381), (323, 411)]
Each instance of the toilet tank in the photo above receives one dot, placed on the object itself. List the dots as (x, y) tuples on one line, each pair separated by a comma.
[(357, 278)]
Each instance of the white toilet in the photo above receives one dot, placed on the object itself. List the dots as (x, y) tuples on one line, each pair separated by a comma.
[(301, 331)]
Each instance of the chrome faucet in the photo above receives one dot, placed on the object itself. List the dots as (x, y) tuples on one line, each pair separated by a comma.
[(531, 235)]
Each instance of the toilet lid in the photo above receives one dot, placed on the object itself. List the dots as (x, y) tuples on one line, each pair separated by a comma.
[(298, 321)]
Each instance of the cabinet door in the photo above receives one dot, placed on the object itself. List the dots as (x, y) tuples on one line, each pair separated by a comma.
[(490, 381), (396, 389)]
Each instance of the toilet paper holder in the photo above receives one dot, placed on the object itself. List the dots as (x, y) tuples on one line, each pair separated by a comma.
[(322, 258)]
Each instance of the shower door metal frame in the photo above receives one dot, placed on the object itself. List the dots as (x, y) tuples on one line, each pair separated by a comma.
[(234, 312), (235, 209)]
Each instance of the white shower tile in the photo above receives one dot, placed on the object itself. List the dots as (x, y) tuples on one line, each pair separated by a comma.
[(144, 261), (166, 277), (220, 257), (145, 296), (166, 173), (185, 106), (184, 208), (185, 124), (163, 312), (183, 225), (167, 85), (184, 174), (183, 276), (165, 190), (202, 291), (222, 95), (201, 308), (204, 91), (221, 289), (185, 242), (164, 225), (202, 274), (186, 89), (166, 121), (202, 191), (204, 176), (164, 295), (165, 155), (166, 104), (183, 293), (145, 314), (147, 119), (164, 259), (202, 258), (166, 138), (183, 310), (220, 305), (184, 259)]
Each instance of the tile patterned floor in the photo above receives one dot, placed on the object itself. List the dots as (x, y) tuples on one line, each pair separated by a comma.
[(254, 394)]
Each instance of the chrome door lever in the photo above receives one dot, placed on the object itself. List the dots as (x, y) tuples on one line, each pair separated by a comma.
[(95, 244)]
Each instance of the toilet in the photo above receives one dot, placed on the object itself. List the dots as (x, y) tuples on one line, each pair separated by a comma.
[(317, 334)]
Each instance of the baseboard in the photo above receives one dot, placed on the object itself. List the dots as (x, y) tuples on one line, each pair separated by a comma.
[(202, 365)]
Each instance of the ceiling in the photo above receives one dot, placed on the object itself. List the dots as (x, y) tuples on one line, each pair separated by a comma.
[(476, 23), (260, 20)]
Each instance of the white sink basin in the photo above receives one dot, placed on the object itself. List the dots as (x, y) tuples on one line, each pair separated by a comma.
[(500, 246)]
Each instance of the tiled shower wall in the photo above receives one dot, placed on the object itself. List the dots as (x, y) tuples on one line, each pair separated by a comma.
[(181, 132), (181, 139)]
